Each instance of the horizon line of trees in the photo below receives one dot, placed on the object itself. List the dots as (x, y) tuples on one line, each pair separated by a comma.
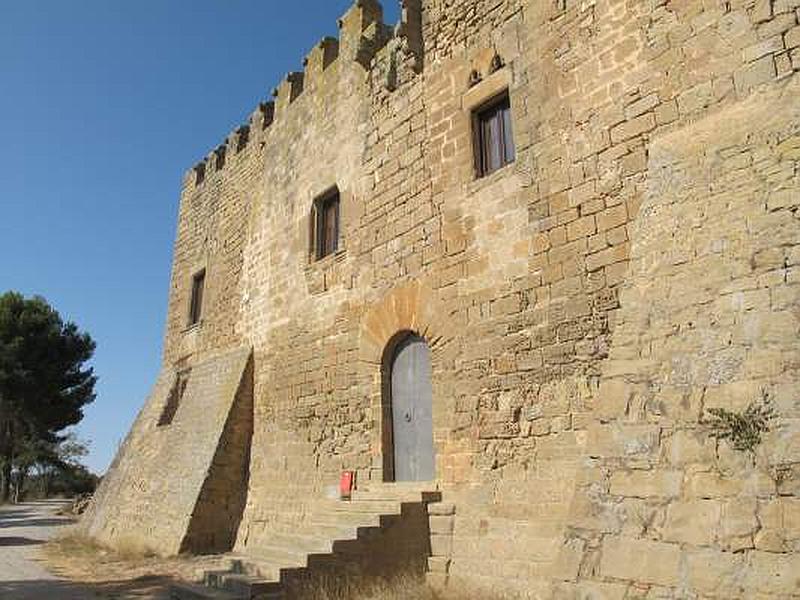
[(45, 384)]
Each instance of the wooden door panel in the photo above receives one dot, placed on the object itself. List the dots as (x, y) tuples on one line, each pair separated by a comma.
[(412, 414)]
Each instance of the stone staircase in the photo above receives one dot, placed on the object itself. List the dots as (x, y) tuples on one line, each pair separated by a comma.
[(336, 534)]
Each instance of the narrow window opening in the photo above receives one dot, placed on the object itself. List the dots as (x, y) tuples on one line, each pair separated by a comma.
[(494, 137), (326, 211), (174, 398), (196, 304), (199, 173)]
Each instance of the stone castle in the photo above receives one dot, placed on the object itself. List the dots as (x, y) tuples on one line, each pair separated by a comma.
[(499, 261)]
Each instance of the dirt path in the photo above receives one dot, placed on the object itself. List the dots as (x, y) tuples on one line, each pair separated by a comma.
[(23, 529)]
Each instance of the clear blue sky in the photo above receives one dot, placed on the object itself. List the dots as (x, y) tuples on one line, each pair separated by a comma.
[(103, 105)]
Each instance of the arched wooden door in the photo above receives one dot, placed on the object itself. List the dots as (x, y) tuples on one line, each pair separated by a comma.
[(412, 411)]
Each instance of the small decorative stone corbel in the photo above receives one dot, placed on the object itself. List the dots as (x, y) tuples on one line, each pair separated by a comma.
[(497, 63), (474, 78)]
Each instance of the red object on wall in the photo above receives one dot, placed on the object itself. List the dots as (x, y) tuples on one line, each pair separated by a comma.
[(346, 484)]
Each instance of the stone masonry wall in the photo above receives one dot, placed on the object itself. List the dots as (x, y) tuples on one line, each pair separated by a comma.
[(518, 280), (310, 422), (709, 319), (606, 79)]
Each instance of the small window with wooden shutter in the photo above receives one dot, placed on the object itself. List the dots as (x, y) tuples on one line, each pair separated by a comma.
[(326, 238), (494, 137), (196, 303)]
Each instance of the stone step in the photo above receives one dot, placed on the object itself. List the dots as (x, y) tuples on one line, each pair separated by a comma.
[(286, 556), (345, 519), (394, 494), (308, 541), (388, 496), (239, 583), (398, 486), (191, 591), (374, 506), (332, 531)]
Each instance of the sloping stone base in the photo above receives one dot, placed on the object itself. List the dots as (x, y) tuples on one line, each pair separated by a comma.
[(167, 474)]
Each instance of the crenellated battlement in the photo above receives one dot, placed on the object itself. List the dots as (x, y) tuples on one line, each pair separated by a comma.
[(362, 35), (288, 90), (321, 57)]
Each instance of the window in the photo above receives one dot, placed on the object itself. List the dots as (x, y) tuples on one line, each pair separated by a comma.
[(196, 305), (326, 225), (174, 399), (494, 139)]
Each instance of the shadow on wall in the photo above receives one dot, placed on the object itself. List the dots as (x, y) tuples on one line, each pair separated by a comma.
[(219, 510)]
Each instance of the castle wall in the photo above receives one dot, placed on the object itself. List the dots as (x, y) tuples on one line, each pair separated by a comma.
[(521, 282), (709, 320), (310, 422)]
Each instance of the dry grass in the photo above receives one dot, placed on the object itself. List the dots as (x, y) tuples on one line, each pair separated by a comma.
[(127, 572), (76, 545), (401, 587)]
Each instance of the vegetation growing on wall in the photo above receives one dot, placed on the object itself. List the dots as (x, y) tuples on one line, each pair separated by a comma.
[(743, 430)]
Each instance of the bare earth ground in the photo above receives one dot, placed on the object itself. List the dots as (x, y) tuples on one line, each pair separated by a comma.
[(24, 528), (33, 570)]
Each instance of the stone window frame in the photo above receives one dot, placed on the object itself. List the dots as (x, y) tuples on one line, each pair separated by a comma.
[(314, 247), (197, 300), (496, 113), (481, 96)]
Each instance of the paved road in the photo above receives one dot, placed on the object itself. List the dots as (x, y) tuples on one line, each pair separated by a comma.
[(23, 528)]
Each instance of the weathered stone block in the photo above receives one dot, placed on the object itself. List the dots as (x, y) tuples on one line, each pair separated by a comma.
[(692, 522), (754, 74), (623, 440), (441, 525), (634, 127), (640, 560), (647, 484)]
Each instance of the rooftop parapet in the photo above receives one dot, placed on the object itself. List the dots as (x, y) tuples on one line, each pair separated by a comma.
[(261, 118), (319, 59), (220, 154), (358, 20), (410, 29), (288, 91), (362, 34)]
